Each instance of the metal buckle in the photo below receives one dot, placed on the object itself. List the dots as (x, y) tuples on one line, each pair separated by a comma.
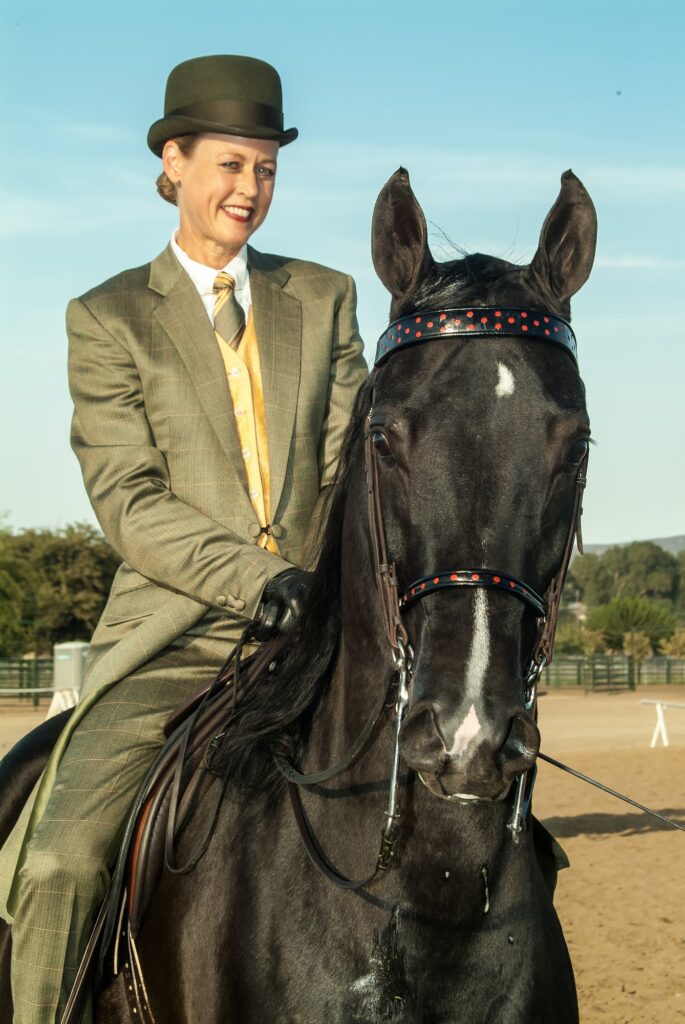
[(402, 657), (530, 687)]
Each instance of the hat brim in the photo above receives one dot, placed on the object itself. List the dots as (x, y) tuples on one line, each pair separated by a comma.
[(172, 127)]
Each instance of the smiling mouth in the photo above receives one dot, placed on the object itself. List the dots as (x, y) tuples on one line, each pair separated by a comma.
[(239, 213)]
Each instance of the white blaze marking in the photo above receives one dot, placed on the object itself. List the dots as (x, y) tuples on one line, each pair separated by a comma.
[(476, 668), (469, 728), (505, 381), (479, 655)]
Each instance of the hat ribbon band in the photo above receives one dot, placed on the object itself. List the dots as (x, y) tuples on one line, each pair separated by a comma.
[(231, 112)]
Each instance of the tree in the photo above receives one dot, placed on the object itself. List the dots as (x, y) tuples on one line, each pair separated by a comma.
[(681, 580), (593, 641), (675, 647), (632, 615), (641, 569), (569, 639), (58, 585), (637, 645), (593, 579)]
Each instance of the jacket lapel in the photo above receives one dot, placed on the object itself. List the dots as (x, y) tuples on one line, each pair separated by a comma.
[(183, 317), (278, 326)]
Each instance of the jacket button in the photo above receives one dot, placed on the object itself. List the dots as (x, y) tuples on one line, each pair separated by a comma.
[(277, 530), (254, 529), (221, 599), (239, 604)]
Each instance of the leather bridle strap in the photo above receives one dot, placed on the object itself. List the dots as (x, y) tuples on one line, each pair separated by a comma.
[(385, 571), (474, 578), (544, 648), (317, 855), (291, 774)]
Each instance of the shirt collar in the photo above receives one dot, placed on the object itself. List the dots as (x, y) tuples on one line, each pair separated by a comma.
[(203, 276)]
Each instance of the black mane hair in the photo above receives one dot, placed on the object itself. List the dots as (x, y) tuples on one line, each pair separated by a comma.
[(268, 713)]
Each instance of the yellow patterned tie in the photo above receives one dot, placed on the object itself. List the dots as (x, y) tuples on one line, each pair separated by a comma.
[(229, 318)]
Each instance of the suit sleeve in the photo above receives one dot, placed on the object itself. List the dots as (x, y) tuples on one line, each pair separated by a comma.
[(348, 371), (127, 481)]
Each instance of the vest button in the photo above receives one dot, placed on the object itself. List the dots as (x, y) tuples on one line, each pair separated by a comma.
[(277, 530), (221, 599), (238, 604), (254, 529)]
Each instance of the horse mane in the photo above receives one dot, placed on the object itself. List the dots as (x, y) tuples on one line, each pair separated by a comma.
[(271, 713)]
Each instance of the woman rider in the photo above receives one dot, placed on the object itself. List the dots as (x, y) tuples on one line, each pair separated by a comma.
[(211, 391)]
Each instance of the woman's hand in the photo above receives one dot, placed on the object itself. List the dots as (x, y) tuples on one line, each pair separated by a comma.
[(282, 602)]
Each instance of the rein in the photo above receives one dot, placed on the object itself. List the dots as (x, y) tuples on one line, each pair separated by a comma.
[(607, 789)]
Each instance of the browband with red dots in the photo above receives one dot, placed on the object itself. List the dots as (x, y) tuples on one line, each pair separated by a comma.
[(478, 321), (474, 578)]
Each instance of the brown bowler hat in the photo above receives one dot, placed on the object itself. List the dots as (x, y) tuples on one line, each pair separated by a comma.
[(225, 94)]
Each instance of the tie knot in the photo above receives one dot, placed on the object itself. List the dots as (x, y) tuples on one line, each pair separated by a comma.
[(223, 281)]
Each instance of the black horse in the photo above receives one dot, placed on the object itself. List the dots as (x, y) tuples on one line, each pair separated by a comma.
[(476, 444)]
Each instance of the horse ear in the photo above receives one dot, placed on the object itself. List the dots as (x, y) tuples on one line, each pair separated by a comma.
[(399, 245), (568, 239)]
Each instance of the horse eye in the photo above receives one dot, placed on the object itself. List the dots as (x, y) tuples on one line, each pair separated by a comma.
[(380, 443), (578, 452)]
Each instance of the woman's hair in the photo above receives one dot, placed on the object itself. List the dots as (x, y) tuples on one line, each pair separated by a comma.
[(166, 187)]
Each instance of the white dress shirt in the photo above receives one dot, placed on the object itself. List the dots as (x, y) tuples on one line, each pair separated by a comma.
[(203, 278)]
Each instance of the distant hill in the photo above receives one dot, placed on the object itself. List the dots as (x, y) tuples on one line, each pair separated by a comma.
[(670, 544)]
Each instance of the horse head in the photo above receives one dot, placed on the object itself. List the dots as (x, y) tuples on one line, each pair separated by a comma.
[(478, 442)]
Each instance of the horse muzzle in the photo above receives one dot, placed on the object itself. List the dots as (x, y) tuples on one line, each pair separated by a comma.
[(468, 756)]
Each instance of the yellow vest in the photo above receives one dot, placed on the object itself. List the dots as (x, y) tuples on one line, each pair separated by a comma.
[(245, 385)]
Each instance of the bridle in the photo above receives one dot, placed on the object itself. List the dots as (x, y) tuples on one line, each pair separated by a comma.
[(472, 323), (476, 322)]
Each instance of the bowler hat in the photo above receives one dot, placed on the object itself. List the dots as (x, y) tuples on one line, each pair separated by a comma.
[(226, 94)]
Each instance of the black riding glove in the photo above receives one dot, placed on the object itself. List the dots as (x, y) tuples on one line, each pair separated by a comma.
[(282, 601)]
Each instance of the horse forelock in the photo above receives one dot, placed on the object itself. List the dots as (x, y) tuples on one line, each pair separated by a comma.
[(477, 279)]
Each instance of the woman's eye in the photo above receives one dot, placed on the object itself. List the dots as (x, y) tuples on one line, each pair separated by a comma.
[(577, 453), (231, 165), (380, 443), (266, 172)]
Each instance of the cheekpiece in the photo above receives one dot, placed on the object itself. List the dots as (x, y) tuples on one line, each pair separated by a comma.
[(474, 322)]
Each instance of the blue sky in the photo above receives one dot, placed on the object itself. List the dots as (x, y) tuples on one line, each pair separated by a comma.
[(485, 104)]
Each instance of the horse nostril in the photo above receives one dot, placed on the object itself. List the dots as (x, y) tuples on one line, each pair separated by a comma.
[(520, 748), (421, 743)]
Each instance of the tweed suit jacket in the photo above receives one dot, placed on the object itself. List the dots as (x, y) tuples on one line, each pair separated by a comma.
[(154, 432)]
